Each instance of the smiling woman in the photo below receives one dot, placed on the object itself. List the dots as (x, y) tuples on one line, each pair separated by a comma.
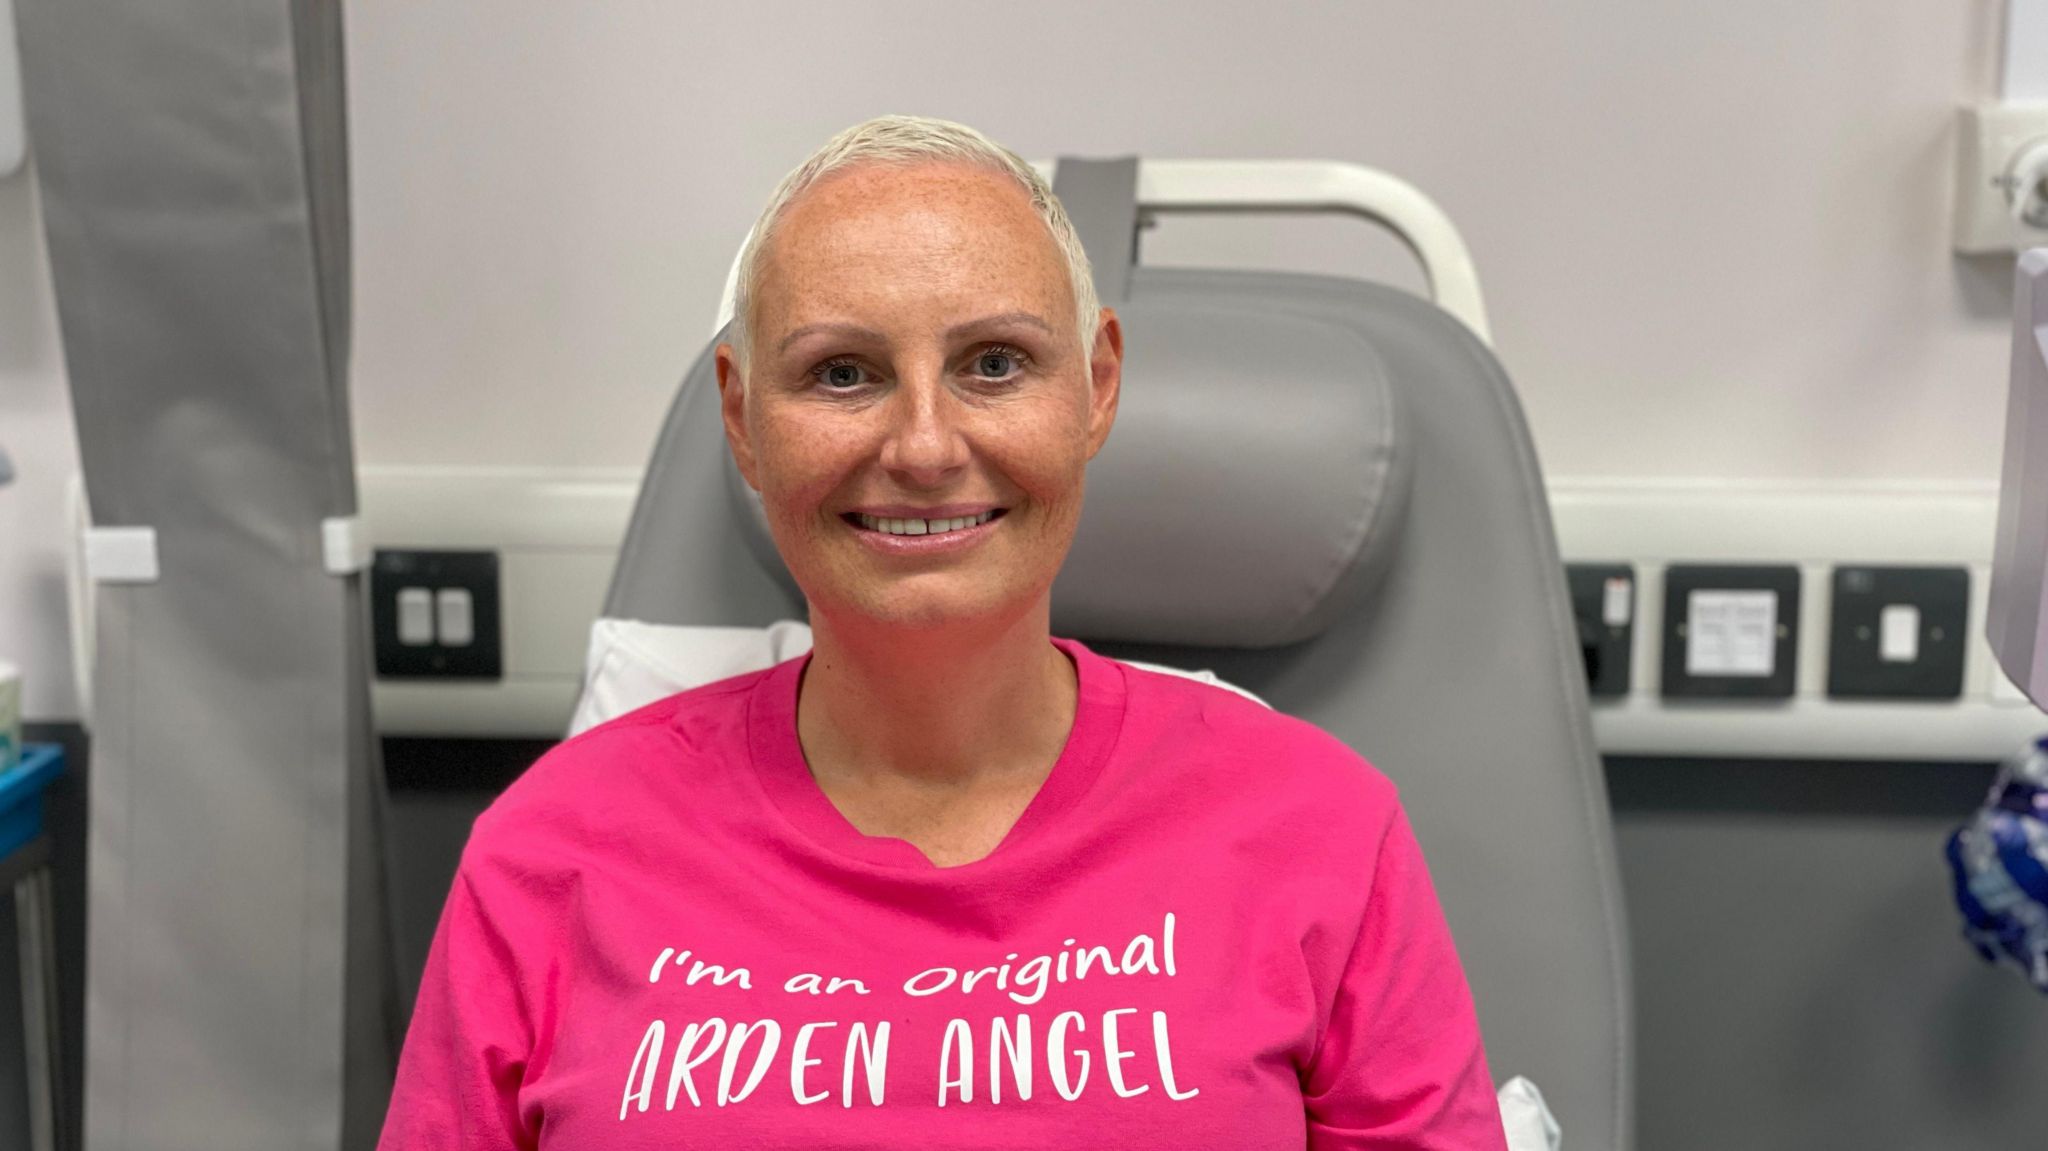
[(889, 832), (904, 350)]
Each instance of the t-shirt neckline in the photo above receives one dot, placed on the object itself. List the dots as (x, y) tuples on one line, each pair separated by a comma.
[(785, 775)]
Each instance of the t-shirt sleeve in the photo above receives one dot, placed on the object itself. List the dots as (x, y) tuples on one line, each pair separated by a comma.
[(1400, 1063), (470, 1042)]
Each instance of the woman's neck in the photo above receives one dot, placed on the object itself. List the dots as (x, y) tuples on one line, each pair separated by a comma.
[(948, 708)]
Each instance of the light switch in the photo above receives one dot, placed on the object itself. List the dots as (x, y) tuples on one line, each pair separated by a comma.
[(452, 627), (1898, 633), (415, 617), (457, 616)]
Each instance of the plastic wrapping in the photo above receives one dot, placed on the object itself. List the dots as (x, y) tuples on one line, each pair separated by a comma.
[(2000, 861)]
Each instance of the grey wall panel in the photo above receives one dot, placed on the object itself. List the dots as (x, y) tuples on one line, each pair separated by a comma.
[(192, 169), (1800, 973)]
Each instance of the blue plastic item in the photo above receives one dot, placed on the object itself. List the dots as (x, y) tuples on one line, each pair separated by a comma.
[(21, 794), (2000, 863)]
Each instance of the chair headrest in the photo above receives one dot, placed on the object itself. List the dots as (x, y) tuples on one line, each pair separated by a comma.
[(1252, 488)]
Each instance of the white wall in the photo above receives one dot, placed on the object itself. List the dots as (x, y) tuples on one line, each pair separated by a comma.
[(1721, 229), (1713, 237)]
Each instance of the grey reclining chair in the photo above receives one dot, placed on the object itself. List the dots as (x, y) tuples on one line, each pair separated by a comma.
[(1323, 490)]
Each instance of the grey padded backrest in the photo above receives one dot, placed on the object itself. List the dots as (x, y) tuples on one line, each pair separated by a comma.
[(1459, 675)]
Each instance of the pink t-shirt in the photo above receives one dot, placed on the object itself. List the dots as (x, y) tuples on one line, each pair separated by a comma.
[(1211, 928)]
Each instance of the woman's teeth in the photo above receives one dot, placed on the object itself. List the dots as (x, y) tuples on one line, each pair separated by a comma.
[(923, 527)]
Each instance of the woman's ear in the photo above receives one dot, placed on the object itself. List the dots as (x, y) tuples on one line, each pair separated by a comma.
[(732, 406), (1106, 376)]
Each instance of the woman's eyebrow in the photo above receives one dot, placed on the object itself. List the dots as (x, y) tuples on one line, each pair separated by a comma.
[(1003, 320), (853, 330), (955, 332)]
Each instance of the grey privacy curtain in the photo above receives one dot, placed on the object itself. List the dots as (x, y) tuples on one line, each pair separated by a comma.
[(193, 170)]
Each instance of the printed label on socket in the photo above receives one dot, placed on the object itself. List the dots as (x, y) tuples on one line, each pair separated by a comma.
[(1731, 633)]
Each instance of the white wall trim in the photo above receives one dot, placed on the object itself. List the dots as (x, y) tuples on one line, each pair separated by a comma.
[(558, 532)]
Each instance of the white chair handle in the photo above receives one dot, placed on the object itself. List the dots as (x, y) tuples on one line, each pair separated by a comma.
[(1324, 186)]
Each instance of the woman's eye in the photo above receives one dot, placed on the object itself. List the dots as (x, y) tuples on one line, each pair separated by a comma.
[(838, 375), (997, 363)]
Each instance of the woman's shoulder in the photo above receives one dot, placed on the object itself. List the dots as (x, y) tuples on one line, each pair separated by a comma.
[(1205, 720), (607, 777)]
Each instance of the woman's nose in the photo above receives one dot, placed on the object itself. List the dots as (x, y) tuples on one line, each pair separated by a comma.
[(924, 440)]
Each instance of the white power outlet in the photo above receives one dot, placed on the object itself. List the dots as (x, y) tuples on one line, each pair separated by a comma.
[(2002, 178)]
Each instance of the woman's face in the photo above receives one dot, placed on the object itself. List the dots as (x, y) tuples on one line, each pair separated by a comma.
[(913, 348)]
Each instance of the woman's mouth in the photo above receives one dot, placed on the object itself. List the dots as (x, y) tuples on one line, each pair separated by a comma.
[(922, 537), (920, 527)]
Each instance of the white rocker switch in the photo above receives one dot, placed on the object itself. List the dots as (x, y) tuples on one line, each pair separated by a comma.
[(1898, 633), (455, 617), (415, 617)]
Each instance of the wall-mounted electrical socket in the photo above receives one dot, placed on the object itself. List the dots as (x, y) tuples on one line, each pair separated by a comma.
[(2002, 177), (1898, 632), (1731, 631), (434, 614), (1604, 602)]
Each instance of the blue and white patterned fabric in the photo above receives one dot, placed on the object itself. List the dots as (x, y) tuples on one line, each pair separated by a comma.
[(2000, 860)]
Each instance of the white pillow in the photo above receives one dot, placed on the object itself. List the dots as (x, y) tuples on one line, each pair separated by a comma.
[(1528, 1122), (631, 664)]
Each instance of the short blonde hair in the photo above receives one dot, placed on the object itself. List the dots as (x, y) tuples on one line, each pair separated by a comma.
[(911, 140)]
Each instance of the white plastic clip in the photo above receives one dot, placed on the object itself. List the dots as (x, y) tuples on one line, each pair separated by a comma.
[(345, 546), (121, 555)]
